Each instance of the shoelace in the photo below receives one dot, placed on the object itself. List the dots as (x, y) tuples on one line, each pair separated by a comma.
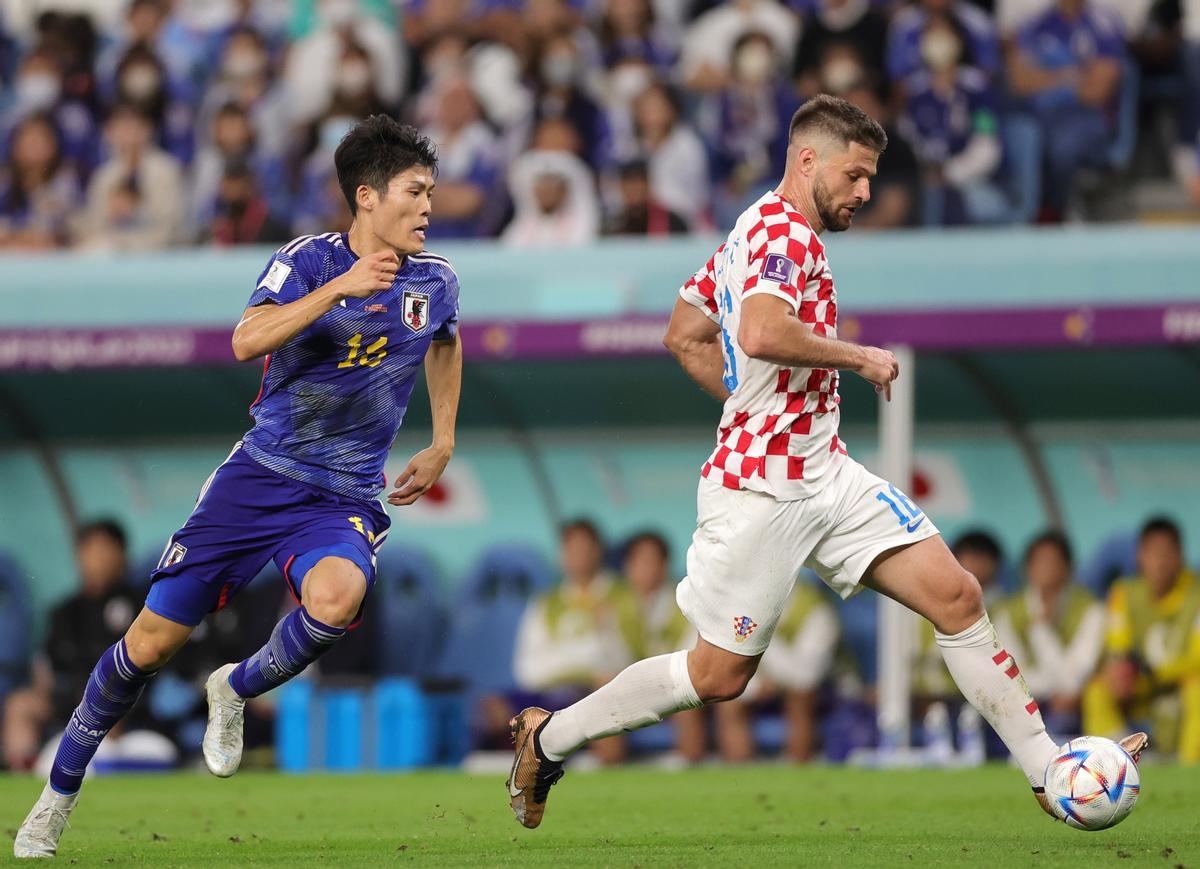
[(229, 717), (42, 822), (543, 781)]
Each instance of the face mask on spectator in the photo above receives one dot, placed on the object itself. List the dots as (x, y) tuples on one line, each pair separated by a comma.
[(628, 81), (243, 64), (559, 70), (939, 49), (754, 63), (140, 82), (332, 131), (841, 74), (38, 90), (354, 77)]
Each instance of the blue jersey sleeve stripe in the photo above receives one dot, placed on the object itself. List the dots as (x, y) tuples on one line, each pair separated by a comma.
[(295, 244)]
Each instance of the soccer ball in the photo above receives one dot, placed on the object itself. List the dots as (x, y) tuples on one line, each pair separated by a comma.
[(1092, 783)]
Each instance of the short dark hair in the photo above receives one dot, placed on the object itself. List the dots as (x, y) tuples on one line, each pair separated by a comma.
[(583, 524), (1162, 525), (653, 538), (1055, 539), (375, 151), (978, 541), (840, 120), (104, 527)]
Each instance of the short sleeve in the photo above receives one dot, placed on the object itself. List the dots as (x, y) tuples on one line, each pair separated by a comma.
[(448, 328), (700, 290), (281, 282), (1110, 36), (780, 262)]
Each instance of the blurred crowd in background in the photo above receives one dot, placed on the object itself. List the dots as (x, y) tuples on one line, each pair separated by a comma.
[(1106, 645), (141, 124)]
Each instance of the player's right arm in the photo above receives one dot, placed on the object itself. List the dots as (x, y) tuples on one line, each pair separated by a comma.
[(695, 342), (771, 331), (272, 321)]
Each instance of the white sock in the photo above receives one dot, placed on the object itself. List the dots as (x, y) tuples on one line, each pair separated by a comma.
[(988, 677), (642, 694)]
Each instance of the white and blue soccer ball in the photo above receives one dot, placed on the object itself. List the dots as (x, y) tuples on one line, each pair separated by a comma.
[(1092, 783)]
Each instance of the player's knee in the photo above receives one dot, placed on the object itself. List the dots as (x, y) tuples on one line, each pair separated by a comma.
[(149, 651), (333, 591), (719, 685), (964, 604)]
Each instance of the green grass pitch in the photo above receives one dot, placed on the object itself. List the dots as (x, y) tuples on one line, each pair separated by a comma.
[(741, 817)]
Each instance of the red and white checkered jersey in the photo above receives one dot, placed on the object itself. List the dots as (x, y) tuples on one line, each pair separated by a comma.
[(779, 430)]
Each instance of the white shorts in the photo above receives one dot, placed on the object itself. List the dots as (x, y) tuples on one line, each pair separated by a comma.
[(749, 548)]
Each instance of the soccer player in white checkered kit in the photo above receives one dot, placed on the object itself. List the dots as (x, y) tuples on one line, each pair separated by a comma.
[(756, 327)]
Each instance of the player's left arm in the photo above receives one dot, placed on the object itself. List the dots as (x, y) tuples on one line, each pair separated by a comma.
[(695, 342), (443, 376)]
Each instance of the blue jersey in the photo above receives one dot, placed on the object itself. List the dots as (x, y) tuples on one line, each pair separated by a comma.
[(940, 125), (333, 397)]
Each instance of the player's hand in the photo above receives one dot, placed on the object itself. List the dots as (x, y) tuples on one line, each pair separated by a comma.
[(879, 367), (424, 469), (371, 274)]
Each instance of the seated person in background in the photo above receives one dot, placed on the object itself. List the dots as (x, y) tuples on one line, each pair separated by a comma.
[(1054, 629), (80, 628), (639, 213), (1152, 672), (39, 191), (578, 636), (664, 629), (950, 119), (1066, 64), (798, 660), (240, 213), (981, 45), (979, 553), (554, 199)]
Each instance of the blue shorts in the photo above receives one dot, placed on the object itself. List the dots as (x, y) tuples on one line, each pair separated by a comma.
[(247, 515)]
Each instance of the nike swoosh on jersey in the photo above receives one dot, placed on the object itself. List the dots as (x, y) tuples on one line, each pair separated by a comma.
[(515, 792), (915, 525)]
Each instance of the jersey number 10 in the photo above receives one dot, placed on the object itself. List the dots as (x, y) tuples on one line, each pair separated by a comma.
[(372, 355)]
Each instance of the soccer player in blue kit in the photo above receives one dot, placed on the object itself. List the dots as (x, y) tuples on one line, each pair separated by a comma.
[(344, 322)]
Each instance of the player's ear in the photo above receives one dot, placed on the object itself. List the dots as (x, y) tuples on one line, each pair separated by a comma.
[(366, 197)]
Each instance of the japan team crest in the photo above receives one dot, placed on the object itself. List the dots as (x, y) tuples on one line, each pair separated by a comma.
[(743, 626), (415, 313)]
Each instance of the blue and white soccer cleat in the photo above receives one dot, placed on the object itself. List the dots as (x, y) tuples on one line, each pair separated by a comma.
[(223, 736), (42, 828)]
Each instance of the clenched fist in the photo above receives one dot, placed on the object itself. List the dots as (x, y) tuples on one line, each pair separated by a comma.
[(371, 274)]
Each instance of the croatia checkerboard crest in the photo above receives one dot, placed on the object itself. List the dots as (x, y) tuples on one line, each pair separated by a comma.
[(743, 626)]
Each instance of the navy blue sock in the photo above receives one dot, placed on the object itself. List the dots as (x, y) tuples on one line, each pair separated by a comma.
[(113, 688), (296, 642)]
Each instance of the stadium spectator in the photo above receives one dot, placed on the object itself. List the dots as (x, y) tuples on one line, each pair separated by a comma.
[(142, 82), (638, 212), (241, 215), (576, 637), (798, 661), (1054, 629), (233, 139), (467, 162), (896, 187), (39, 192), (748, 127), (646, 563), (674, 154), (1189, 105), (40, 88), (1066, 65), (320, 205), (80, 628), (629, 30), (561, 95), (1152, 671), (951, 120), (853, 24), (554, 198), (313, 60), (905, 49), (709, 41), (135, 200), (244, 78)]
